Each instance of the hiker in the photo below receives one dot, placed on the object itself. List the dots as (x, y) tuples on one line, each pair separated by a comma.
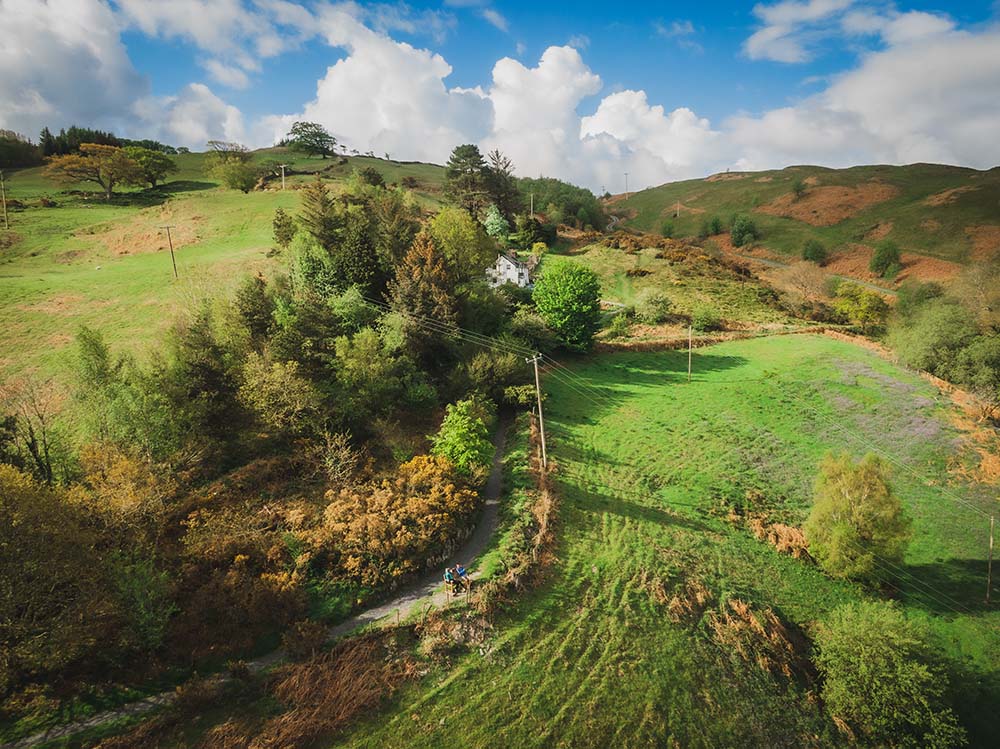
[(462, 575), (449, 580)]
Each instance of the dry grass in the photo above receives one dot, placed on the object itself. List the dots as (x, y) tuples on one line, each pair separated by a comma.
[(786, 539), (826, 206), (985, 241), (948, 196), (324, 694), (690, 603), (759, 638), (881, 231)]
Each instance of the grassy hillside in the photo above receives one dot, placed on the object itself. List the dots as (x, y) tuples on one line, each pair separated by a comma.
[(945, 212), (691, 285), (648, 467), (82, 261)]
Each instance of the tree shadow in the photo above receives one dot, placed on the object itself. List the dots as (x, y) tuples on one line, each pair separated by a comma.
[(186, 185), (954, 586)]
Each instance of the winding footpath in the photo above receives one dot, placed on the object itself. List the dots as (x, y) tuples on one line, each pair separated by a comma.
[(428, 592)]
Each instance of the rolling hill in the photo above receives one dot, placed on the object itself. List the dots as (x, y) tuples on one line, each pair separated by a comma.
[(947, 215), (72, 259)]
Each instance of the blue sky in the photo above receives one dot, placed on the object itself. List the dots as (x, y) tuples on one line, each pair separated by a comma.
[(740, 85)]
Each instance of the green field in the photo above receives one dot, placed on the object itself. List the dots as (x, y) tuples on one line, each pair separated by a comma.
[(647, 466), (945, 236), (86, 262)]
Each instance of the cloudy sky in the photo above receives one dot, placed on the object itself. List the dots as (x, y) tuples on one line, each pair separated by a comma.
[(580, 90)]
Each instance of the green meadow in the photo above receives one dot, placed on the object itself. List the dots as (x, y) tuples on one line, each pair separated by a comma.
[(648, 466), (72, 259)]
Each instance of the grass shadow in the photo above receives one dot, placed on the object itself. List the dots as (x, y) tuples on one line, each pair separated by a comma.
[(949, 587)]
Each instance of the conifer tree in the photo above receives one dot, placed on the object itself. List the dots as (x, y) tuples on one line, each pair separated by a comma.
[(318, 215)]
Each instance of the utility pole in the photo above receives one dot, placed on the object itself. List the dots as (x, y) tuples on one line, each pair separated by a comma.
[(532, 205), (3, 197), (690, 336), (541, 420), (626, 185), (282, 175), (171, 243), (989, 565)]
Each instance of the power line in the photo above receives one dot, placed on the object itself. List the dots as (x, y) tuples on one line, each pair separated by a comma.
[(875, 448), (582, 386)]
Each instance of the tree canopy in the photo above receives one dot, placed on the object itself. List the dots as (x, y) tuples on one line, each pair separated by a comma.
[(568, 297), (857, 525), (465, 179), (312, 139), (882, 679), (154, 166), (106, 166)]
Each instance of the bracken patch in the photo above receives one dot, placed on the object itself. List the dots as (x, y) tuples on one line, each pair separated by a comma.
[(829, 205)]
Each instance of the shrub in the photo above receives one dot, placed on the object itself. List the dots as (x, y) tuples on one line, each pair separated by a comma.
[(744, 231), (369, 175), (715, 226), (861, 307), (652, 307), (568, 298), (237, 175), (932, 337), (914, 294), (381, 533), (705, 320), (885, 261), (667, 229), (857, 523), (619, 326), (798, 190), (280, 397), (815, 252), (881, 678), (304, 639), (463, 438)]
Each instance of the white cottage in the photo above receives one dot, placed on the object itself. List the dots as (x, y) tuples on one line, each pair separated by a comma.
[(508, 269)]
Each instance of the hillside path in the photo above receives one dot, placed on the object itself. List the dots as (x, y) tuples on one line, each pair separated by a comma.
[(427, 592)]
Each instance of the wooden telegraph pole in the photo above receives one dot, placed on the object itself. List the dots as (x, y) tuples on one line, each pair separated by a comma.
[(3, 198), (171, 243), (541, 420), (989, 565), (282, 175), (626, 185)]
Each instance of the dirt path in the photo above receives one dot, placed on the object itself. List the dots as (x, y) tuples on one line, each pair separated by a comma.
[(427, 592)]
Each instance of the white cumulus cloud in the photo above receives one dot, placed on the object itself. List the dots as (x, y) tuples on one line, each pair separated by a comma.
[(62, 62)]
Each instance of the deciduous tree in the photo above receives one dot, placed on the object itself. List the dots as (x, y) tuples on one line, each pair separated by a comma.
[(154, 166), (463, 244), (568, 297), (312, 139), (857, 524), (106, 166), (883, 680), (464, 438)]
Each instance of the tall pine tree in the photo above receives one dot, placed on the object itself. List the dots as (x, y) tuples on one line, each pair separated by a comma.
[(422, 291), (354, 261), (319, 214), (465, 179), (501, 184)]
